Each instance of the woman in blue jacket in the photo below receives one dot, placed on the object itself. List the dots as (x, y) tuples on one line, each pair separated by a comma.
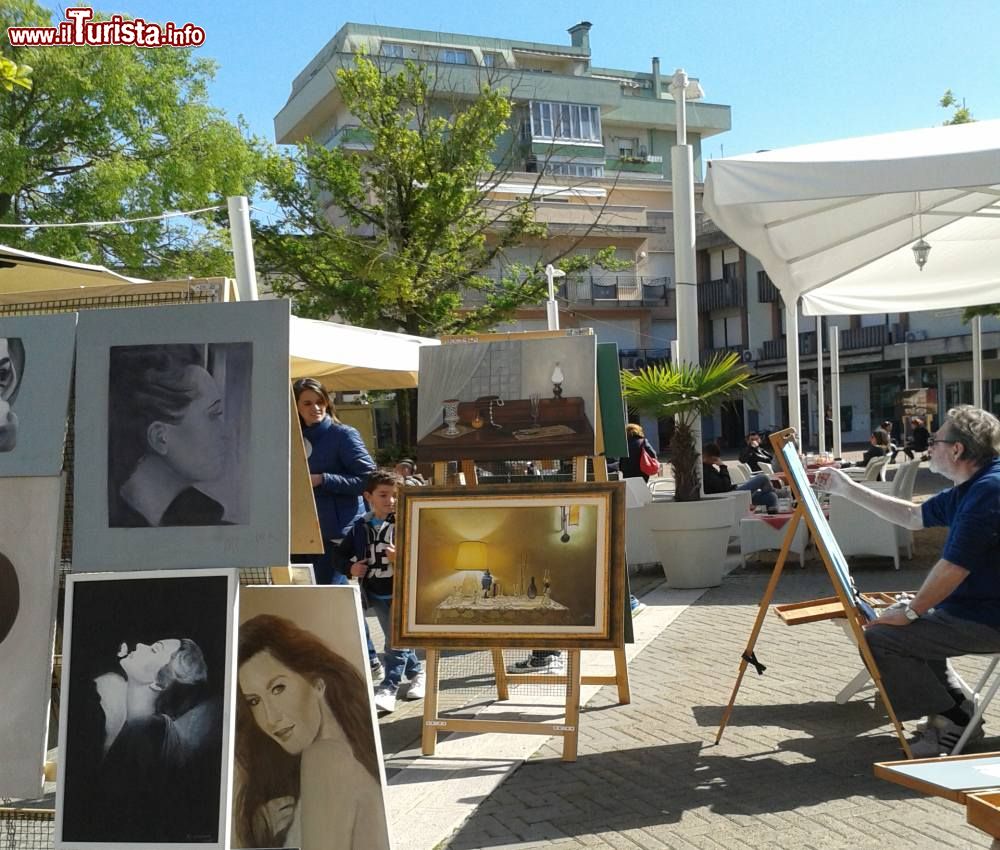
[(339, 465)]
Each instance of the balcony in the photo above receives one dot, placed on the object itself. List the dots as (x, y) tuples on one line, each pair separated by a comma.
[(852, 339), (643, 164), (609, 290), (639, 358), (719, 294), (777, 349), (706, 354)]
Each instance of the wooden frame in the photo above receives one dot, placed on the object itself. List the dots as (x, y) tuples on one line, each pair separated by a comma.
[(433, 606), (855, 609)]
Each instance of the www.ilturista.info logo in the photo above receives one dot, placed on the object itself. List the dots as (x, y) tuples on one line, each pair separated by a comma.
[(80, 28)]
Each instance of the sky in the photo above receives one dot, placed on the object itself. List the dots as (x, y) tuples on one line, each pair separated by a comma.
[(792, 71)]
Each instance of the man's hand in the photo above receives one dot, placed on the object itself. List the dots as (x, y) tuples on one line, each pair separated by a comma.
[(891, 616), (358, 569), (316, 479), (831, 480), (390, 554)]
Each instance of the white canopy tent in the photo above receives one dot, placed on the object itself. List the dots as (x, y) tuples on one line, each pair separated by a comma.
[(834, 223), (343, 357)]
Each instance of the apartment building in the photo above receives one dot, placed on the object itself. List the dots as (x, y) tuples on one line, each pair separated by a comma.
[(741, 310), (592, 144)]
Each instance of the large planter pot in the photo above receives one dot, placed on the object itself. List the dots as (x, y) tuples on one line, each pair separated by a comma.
[(691, 539)]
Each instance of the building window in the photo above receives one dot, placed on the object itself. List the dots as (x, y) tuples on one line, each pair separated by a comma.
[(627, 148), (571, 122), (575, 169), (454, 57), (393, 51), (491, 60)]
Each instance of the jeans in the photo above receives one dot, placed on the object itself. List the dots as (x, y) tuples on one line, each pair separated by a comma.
[(761, 491), (913, 660), (398, 662)]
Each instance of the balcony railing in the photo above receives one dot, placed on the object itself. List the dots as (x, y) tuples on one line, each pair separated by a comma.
[(718, 294), (625, 290), (777, 349), (872, 337), (639, 358), (706, 354)]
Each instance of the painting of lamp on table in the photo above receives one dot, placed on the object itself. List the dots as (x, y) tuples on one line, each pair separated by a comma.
[(477, 596), (493, 428)]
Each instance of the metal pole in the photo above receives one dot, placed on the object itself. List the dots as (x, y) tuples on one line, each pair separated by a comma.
[(682, 185), (792, 352), (906, 365), (239, 231), (820, 389), (835, 387), (977, 361), (552, 306)]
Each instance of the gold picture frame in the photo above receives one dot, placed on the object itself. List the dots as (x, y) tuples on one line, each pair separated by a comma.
[(536, 565)]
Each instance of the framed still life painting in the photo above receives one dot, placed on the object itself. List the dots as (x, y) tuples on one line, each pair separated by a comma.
[(181, 441), (539, 565)]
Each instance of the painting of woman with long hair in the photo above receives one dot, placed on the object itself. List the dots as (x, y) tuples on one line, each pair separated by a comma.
[(307, 771)]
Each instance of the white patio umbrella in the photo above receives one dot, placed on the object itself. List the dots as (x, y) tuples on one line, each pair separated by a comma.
[(835, 223)]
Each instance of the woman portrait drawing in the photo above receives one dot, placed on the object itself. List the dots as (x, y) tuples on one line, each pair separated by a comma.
[(307, 773), (168, 436)]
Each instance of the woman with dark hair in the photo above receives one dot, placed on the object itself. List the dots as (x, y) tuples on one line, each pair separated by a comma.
[(306, 757), (339, 466), (162, 746), (166, 433)]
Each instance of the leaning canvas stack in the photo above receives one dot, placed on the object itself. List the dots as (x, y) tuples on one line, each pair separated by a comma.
[(176, 723)]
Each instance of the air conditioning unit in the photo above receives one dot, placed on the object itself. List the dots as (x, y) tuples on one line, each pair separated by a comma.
[(654, 158), (747, 356), (916, 336)]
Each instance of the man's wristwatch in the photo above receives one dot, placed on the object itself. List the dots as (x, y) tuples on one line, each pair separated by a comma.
[(911, 615)]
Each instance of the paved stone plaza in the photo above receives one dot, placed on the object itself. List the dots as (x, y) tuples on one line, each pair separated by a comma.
[(794, 769)]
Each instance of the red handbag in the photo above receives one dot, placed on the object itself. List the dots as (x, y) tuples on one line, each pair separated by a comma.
[(648, 464)]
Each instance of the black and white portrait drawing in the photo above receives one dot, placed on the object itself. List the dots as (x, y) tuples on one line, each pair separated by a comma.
[(178, 433), (30, 531), (305, 723), (145, 731), (11, 372), (36, 366), (181, 439)]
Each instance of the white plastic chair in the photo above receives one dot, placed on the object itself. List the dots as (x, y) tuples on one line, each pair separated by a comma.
[(766, 468), (736, 473)]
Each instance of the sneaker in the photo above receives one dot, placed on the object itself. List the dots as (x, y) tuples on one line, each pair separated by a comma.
[(940, 737), (537, 664), (967, 707), (637, 607), (418, 686), (378, 671), (385, 700)]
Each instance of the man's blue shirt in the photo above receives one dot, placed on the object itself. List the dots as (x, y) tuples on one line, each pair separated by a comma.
[(972, 513)]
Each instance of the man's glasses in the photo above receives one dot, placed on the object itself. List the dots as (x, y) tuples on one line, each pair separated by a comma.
[(934, 440)]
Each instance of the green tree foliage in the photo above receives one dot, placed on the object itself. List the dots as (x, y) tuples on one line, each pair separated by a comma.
[(12, 74), (686, 391), (961, 115), (391, 236), (107, 133)]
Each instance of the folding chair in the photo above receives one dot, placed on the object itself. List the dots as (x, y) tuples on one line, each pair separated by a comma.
[(980, 700)]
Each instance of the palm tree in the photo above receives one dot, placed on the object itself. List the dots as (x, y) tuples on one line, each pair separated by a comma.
[(686, 391)]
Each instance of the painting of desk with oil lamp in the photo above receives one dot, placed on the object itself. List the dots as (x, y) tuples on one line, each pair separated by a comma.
[(508, 398), (538, 565)]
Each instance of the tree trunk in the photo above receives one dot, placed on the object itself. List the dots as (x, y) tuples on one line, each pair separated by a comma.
[(406, 414), (684, 457)]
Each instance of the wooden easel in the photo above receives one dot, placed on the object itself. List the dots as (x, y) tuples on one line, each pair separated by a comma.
[(433, 724), (851, 611)]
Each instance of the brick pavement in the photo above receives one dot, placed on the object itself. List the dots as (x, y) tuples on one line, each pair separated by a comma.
[(792, 771)]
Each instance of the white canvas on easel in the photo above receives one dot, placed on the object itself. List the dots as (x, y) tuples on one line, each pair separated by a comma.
[(30, 530)]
